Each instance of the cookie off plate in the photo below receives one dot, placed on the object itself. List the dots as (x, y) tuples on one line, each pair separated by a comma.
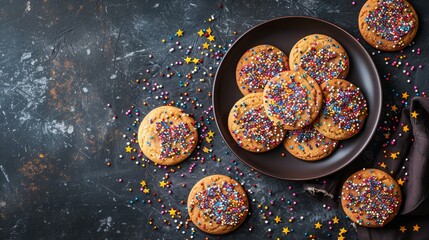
[(283, 33)]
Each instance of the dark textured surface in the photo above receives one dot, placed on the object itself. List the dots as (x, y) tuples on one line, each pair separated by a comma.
[(62, 62)]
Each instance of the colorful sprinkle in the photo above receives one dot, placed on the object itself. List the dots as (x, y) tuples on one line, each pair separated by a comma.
[(373, 198), (264, 65), (320, 65), (175, 139), (309, 137), (221, 202), (288, 99), (345, 106), (255, 126), (391, 20)]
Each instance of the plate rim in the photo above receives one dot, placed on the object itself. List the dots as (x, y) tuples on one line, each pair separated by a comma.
[(378, 94)]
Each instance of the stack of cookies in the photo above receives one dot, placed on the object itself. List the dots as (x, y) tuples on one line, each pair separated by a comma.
[(301, 102)]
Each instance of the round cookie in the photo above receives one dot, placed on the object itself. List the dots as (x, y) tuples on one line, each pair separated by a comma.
[(167, 135), (292, 99), (371, 198), (388, 25), (250, 126), (258, 65), (308, 144), (321, 56), (344, 110), (217, 204)]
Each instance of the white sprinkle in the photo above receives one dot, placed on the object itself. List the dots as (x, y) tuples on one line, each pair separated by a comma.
[(25, 56)]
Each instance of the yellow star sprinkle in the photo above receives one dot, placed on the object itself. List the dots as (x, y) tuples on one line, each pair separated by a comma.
[(416, 228), (387, 135), (405, 128), (286, 230), (200, 33), (206, 45), (195, 60), (383, 165), (277, 219), (394, 155), (414, 114), (335, 220), (394, 108), (210, 133), (179, 33), (209, 31), (188, 60), (317, 225), (211, 38), (172, 212), (162, 184), (209, 140), (340, 238), (206, 150), (342, 231), (143, 183), (128, 149), (401, 182), (402, 229), (146, 190), (405, 95)]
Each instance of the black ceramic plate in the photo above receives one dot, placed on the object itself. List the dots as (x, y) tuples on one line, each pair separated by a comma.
[(284, 33)]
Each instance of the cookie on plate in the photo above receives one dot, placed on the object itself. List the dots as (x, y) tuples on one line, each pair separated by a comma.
[(258, 65), (167, 135), (217, 204), (308, 144), (344, 110), (292, 99), (321, 56), (371, 198), (250, 126), (388, 25)]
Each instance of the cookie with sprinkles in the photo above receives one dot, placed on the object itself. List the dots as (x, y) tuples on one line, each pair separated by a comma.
[(388, 25), (321, 56), (250, 126), (217, 204), (308, 144), (258, 65), (344, 110), (292, 99), (167, 135), (371, 198)]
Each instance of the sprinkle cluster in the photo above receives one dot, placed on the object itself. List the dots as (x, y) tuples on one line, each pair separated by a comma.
[(263, 66), (288, 101), (320, 65), (174, 138), (256, 126), (222, 203), (373, 199), (346, 107), (306, 135), (391, 20)]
